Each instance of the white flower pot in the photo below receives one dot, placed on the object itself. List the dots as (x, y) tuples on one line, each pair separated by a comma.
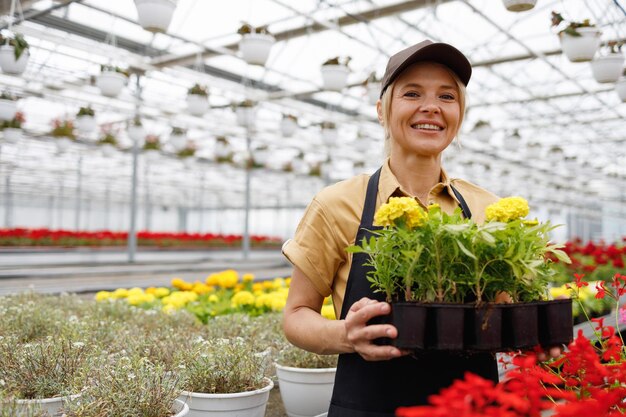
[(305, 392), (607, 69), (197, 104), (51, 406), (137, 133), (86, 124), (330, 136), (373, 93), (580, 48), (178, 142), (180, 408), (8, 108), (288, 127), (62, 144), (155, 15), (519, 5), (11, 134), (107, 150), (241, 404), (111, 83), (8, 62), (335, 77), (255, 47), (533, 151), (620, 87), (246, 116), (151, 155), (222, 150)]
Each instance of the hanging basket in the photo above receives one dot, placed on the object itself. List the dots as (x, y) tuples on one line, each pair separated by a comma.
[(155, 15), (11, 134), (373, 92), (330, 136), (255, 47), (8, 108), (519, 5), (8, 62), (581, 48), (86, 124), (107, 150), (335, 77), (178, 141), (136, 133), (607, 69), (197, 104), (62, 144), (246, 116), (620, 87), (288, 127), (111, 83)]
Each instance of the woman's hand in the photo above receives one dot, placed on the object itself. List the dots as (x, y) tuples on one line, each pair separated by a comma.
[(361, 335), (550, 353)]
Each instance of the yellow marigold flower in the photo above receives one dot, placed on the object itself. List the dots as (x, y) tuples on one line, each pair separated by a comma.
[(400, 208), (212, 279), (120, 293), (200, 288), (242, 298), (268, 285), (507, 209), (288, 281), (328, 312), (135, 299), (558, 292), (247, 277), (161, 292), (278, 283), (135, 291), (263, 300), (213, 298), (433, 207), (103, 295), (238, 287), (180, 284), (228, 278), (151, 290), (168, 309), (257, 286), (278, 303)]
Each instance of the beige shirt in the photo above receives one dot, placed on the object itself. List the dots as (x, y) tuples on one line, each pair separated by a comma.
[(331, 221)]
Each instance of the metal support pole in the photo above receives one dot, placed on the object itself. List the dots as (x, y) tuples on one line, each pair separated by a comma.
[(79, 191), (246, 222), (132, 233), (50, 211), (147, 225), (201, 203), (8, 202), (60, 206), (107, 207)]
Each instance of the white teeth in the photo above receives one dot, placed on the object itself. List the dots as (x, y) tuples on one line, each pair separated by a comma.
[(427, 126)]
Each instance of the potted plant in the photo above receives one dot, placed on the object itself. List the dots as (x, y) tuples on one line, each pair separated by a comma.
[(329, 133), (224, 376), (12, 129), (111, 80), (151, 146), (519, 5), (14, 54), (288, 125), (188, 150), (533, 150), (579, 40), (483, 130), (607, 68), (372, 88), (428, 262), (135, 130), (620, 87), (178, 137), (335, 73), (155, 15), (255, 43), (198, 100), (107, 142), (8, 105), (63, 131), (246, 113), (223, 151), (306, 380), (513, 143), (86, 120)]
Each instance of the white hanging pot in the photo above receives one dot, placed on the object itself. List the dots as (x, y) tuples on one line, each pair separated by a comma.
[(288, 127), (620, 87), (9, 64), (519, 5), (580, 48), (373, 92), (305, 392), (62, 144), (111, 83), (178, 141), (8, 108), (533, 150), (240, 404), (335, 77), (607, 69), (330, 136), (246, 116), (12, 135), (86, 123), (197, 104), (222, 150), (155, 15), (136, 133), (151, 155), (255, 47), (108, 150)]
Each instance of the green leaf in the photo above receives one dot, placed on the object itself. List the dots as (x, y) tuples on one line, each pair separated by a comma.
[(465, 250)]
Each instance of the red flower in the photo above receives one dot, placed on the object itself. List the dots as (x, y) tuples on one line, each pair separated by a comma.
[(579, 280)]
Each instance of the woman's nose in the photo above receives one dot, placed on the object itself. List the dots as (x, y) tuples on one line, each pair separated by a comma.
[(429, 105)]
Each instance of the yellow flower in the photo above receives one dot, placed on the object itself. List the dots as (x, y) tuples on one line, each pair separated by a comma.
[(247, 278), (228, 278), (200, 288), (103, 295), (242, 298), (278, 283), (120, 293), (263, 300), (278, 303), (405, 208), (238, 287), (135, 291), (328, 312), (151, 290), (168, 309), (268, 285), (181, 284), (161, 292), (257, 286), (213, 298), (212, 279), (534, 222), (288, 281), (507, 209), (558, 292)]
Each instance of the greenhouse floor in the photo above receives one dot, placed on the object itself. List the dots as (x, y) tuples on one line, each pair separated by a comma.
[(86, 271)]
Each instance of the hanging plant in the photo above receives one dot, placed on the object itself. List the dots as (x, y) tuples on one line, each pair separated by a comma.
[(607, 67), (12, 129), (86, 120), (152, 143), (223, 152), (198, 100), (329, 133), (111, 80), (335, 73), (246, 113), (188, 150), (155, 15), (255, 43), (178, 137), (8, 105), (288, 125), (579, 40), (63, 129), (620, 87), (372, 88), (519, 5), (14, 54), (135, 130)]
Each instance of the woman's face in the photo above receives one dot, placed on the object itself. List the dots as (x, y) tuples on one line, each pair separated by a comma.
[(425, 111)]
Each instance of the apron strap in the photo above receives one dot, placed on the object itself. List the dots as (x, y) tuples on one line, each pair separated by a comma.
[(367, 217), (464, 207)]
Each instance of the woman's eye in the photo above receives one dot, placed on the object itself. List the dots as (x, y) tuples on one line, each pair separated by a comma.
[(411, 94), (447, 96)]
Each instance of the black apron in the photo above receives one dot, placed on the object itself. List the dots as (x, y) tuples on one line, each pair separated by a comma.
[(376, 389)]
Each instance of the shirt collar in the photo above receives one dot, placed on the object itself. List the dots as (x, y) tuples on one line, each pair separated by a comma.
[(389, 186)]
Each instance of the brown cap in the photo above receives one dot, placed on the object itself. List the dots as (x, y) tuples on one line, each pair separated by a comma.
[(441, 53)]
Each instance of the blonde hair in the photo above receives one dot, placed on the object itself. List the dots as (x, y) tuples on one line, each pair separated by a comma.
[(385, 104)]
